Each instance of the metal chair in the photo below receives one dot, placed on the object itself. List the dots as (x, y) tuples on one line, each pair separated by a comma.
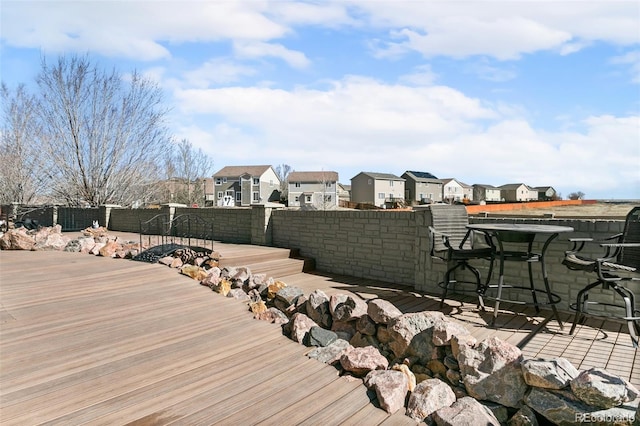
[(618, 265), (456, 245)]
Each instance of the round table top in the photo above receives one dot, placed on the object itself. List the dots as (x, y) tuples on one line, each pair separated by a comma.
[(525, 228)]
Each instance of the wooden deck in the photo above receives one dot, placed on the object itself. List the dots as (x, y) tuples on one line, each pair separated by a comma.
[(85, 339)]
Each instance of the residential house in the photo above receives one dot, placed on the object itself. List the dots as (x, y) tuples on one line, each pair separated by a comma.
[(344, 193), (546, 193), (455, 191), (313, 190), (486, 193), (518, 192), (422, 187), (379, 189), (237, 186)]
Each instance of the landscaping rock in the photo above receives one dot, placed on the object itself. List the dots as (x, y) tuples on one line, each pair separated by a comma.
[(554, 373), (195, 272), (562, 407), (223, 287), (287, 297), (525, 416), (319, 336), (17, 239), (465, 411), (365, 325), (360, 361), (444, 331), (412, 334), (382, 311), (492, 372), (351, 309), (411, 378), (601, 389), (238, 294), (428, 397), (272, 315), (318, 308), (390, 386), (331, 354), (300, 327)]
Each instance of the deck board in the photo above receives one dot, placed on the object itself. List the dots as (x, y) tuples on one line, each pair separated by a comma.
[(84, 339)]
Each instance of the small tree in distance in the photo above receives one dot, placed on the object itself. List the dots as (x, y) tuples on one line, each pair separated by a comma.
[(283, 171), (578, 195)]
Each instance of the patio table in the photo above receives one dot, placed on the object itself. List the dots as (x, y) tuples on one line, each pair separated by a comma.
[(514, 242)]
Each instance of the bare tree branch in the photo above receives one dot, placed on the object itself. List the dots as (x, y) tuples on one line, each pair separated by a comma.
[(106, 135)]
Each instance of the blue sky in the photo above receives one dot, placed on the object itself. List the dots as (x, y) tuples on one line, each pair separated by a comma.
[(492, 92)]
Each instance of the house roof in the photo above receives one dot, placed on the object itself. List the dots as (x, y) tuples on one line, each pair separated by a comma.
[(420, 175), (447, 180), (482, 185), (232, 171), (512, 186), (381, 176), (322, 176), (543, 188)]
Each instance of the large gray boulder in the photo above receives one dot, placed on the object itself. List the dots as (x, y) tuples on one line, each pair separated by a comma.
[(412, 334), (491, 371), (554, 373), (602, 389), (562, 407)]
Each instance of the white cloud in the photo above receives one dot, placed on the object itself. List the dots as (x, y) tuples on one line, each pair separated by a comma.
[(362, 124), (216, 71), (633, 60), (501, 29), (134, 29), (260, 49)]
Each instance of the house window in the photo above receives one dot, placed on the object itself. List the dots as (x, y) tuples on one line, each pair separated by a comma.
[(369, 181), (328, 184), (381, 195), (238, 196), (224, 180), (256, 196), (271, 182), (297, 199), (256, 181), (390, 183), (218, 181), (219, 194), (327, 198), (308, 198), (391, 196), (297, 184)]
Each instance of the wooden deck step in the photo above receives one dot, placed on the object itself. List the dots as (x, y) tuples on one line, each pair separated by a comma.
[(272, 261)]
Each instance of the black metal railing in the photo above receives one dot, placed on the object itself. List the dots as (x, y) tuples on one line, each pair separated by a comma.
[(186, 230)]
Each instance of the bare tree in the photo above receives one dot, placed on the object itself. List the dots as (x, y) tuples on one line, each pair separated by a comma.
[(187, 170), (104, 134), (23, 175), (283, 171)]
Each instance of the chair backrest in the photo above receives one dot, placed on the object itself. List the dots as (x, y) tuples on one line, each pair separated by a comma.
[(450, 220), (630, 256)]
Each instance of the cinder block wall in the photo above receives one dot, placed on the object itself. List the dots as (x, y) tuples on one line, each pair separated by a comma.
[(230, 225), (390, 246), (377, 245)]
